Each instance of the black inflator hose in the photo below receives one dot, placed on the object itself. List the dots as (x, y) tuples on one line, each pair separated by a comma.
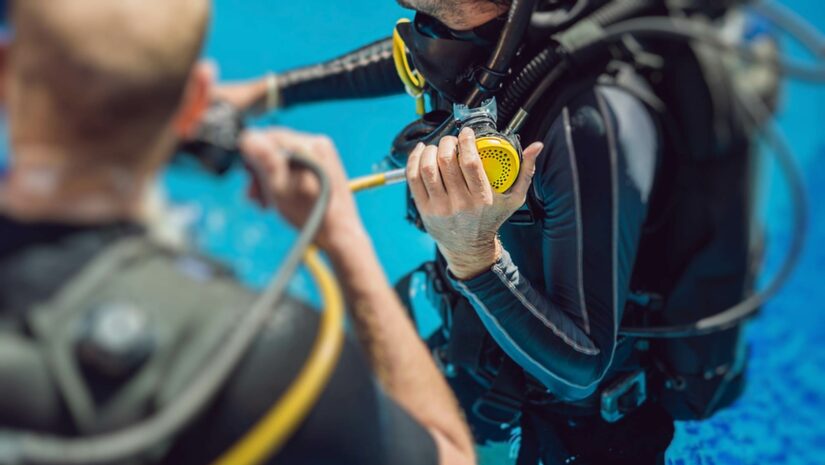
[(526, 80), (538, 74), (490, 77)]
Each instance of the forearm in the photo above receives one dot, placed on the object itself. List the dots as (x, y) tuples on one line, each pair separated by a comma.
[(400, 360), (364, 73), (536, 332)]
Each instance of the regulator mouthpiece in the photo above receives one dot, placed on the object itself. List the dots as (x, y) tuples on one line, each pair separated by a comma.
[(500, 152)]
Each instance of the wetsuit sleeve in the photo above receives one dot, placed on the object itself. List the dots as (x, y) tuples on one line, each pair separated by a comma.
[(364, 73), (592, 183), (353, 423)]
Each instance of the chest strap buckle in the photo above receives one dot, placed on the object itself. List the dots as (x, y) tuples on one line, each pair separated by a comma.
[(624, 396)]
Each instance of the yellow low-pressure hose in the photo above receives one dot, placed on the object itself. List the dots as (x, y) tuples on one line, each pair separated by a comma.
[(378, 180), (277, 426), (267, 437)]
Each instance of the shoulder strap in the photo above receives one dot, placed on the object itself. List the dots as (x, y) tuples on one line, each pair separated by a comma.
[(136, 319)]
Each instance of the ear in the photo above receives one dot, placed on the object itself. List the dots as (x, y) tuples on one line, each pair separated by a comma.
[(196, 99), (4, 50)]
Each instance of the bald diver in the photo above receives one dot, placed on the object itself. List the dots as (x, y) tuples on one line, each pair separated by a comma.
[(116, 347)]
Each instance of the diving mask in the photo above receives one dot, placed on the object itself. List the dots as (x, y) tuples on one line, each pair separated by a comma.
[(446, 58)]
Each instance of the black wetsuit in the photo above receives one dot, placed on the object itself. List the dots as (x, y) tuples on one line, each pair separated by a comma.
[(554, 302), (353, 423), (638, 216)]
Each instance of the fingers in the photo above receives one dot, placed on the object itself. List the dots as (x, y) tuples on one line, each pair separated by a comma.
[(471, 166), (431, 174), (528, 169), (268, 164), (414, 175), (316, 148), (295, 142), (450, 171)]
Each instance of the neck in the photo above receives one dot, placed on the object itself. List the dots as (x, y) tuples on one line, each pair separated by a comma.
[(43, 187)]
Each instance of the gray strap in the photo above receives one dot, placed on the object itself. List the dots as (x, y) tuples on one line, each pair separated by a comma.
[(189, 304), (50, 322)]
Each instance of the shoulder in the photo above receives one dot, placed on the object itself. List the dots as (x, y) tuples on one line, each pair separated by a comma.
[(602, 128), (589, 110)]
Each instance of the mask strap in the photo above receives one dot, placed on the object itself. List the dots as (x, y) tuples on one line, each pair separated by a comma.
[(413, 81)]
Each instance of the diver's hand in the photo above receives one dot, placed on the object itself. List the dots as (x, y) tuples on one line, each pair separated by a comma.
[(459, 208), (293, 190)]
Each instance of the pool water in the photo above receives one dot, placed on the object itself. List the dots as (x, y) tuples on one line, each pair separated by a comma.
[(779, 420)]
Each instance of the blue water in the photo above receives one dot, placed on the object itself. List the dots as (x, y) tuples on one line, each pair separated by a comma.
[(779, 420)]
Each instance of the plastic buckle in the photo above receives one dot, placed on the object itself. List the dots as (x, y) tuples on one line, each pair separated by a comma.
[(498, 409), (624, 396)]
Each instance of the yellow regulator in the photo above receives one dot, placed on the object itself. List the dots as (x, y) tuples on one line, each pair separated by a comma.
[(500, 152)]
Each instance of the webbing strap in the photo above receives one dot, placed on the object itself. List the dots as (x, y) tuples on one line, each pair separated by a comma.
[(186, 321)]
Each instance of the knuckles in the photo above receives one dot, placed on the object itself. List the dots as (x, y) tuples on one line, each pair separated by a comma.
[(470, 163), (322, 145), (429, 171), (466, 138), (447, 148)]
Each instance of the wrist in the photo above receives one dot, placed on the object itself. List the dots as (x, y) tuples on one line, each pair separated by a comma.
[(272, 92), (481, 259), (355, 262), (263, 95)]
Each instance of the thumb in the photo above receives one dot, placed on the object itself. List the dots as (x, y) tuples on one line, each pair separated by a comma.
[(528, 169)]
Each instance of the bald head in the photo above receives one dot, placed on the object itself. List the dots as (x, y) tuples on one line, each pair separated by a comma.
[(103, 77)]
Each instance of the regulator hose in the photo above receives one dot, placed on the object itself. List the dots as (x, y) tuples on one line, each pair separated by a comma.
[(792, 24), (272, 432), (544, 64), (685, 31), (489, 78)]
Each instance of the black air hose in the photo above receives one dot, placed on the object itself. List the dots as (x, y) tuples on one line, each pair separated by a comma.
[(526, 80), (544, 62), (489, 78)]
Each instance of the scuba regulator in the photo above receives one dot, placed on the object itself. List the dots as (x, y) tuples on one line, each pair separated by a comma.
[(500, 153)]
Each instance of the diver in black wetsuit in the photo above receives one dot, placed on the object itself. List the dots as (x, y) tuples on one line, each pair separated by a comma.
[(94, 340), (638, 214)]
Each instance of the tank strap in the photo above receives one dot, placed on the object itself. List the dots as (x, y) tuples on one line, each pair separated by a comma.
[(502, 403), (403, 288), (129, 330)]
